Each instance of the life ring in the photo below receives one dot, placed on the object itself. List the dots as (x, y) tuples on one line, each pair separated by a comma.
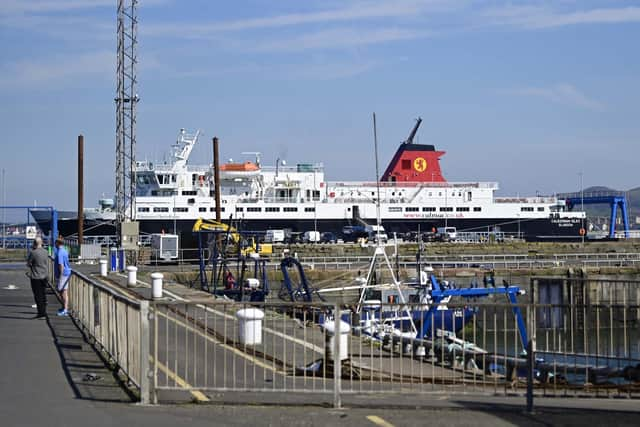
[(582, 231)]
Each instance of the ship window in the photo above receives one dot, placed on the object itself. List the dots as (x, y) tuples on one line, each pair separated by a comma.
[(189, 193), (173, 178), (462, 209), (272, 209), (290, 209), (202, 209), (428, 209), (309, 209), (406, 164), (143, 209), (161, 209), (541, 209), (469, 196), (446, 209), (239, 209), (181, 209), (316, 195), (214, 209), (395, 209), (254, 209), (526, 209), (411, 209), (477, 209), (440, 194)]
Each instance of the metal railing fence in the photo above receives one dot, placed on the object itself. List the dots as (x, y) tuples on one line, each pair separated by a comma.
[(586, 343), (115, 323), (294, 355)]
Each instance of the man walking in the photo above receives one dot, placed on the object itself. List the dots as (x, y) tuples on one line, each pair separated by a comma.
[(38, 271), (63, 275)]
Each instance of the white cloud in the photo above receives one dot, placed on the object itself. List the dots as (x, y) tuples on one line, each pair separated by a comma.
[(16, 7), (358, 11), (561, 93), (339, 38), (537, 17), (58, 68)]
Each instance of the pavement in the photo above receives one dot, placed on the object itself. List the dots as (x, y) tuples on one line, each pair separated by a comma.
[(51, 375)]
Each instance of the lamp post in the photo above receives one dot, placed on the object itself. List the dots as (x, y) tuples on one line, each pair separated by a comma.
[(582, 233), (313, 196), (4, 210), (446, 207)]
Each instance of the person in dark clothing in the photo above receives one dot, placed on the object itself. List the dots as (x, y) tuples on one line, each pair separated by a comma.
[(38, 271)]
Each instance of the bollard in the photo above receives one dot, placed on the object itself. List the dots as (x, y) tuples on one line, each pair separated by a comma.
[(156, 285), (132, 273), (113, 252), (103, 267), (344, 329), (250, 326)]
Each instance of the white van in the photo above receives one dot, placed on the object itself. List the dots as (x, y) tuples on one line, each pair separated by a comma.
[(274, 236), (376, 231), (311, 237), (446, 233)]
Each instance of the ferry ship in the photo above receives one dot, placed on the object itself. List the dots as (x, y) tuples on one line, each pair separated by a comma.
[(414, 196)]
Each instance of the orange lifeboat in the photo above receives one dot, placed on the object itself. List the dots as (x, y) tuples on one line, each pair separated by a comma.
[(239, 170)]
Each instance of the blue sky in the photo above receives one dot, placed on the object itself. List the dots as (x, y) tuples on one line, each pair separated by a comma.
[(525, 93)]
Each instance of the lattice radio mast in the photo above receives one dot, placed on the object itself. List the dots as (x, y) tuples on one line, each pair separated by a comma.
[(126, 100)]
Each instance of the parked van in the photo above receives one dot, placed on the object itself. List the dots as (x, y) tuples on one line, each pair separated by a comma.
[(376, 231), (311, 237), (446, 234), (274, 236)]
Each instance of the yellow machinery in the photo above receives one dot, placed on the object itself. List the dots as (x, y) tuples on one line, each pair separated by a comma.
[(248, 244)]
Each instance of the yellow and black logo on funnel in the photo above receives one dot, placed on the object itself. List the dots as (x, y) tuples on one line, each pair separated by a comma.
[(420, 164)]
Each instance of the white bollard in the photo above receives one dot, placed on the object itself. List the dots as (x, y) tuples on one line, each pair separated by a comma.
[(103, 267), (132, 273), (156, 285), (250, 326), (345, 329)]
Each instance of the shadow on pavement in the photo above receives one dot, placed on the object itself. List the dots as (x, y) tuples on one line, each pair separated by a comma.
[(86, 371)]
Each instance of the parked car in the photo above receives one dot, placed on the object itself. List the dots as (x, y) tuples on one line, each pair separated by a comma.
[(328, 237)]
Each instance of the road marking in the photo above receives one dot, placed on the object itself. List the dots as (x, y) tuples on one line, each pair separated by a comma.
[(226, 346), (228, 316), (198, 395), (379, 421)]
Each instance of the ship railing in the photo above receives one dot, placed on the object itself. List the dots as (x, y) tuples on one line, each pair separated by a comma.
[(397, 184), (538, 200)]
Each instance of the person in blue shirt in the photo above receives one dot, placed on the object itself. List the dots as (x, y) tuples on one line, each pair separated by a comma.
[(63, 275)]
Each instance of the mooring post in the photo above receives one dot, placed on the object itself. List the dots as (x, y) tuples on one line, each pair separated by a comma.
[(337, 363)]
